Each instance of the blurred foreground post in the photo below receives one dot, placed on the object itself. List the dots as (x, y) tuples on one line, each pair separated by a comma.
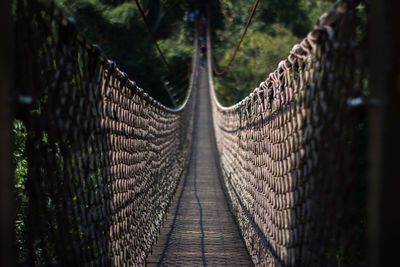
[(384, 134), (7, 199)]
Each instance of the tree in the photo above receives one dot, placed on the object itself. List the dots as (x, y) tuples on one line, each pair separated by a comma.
[(275, 28), (258, 56), (118, 28)]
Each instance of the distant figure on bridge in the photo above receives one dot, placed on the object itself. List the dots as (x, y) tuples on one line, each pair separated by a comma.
[(203, 53)]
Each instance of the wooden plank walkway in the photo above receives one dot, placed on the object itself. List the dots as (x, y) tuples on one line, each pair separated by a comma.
[(200, 229)]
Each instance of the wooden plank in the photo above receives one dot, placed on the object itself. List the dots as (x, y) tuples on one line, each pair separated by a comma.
[(200, 229)]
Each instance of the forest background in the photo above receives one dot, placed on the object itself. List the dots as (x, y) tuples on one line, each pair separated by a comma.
[(117, 26)]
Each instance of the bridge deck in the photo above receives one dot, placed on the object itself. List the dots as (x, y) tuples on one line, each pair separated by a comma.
[(200, 229)]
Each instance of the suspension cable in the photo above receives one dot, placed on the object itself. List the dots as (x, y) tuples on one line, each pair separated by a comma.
[(219, 73), (152, 36)]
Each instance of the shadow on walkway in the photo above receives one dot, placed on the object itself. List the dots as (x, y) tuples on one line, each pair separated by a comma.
[(200, 229)]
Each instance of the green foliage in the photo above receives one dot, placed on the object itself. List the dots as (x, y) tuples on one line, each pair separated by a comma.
[(258, 56), (179, 47), (288, 13), (275, 28), (21, 171), (298, 16), (314, 9), (118, 28)]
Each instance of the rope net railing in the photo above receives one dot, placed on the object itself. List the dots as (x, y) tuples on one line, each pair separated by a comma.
[(288, 152), (104, 158)]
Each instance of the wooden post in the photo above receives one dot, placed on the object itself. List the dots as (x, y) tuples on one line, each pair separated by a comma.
[(7, 199), (384, 136)]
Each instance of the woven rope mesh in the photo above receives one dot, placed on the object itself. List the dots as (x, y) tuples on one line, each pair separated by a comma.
[(288, 152), (104, 158)]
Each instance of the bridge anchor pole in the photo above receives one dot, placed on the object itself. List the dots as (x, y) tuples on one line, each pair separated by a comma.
[(7, 198), (384, 136)]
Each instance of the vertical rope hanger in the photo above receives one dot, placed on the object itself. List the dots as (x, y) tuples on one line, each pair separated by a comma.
[(226, 68), (152, 36)]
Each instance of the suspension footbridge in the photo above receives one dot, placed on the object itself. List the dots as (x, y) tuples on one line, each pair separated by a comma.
[(116, 178)]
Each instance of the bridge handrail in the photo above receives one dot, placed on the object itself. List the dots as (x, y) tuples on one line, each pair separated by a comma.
[(104, 157), (288, 152)]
